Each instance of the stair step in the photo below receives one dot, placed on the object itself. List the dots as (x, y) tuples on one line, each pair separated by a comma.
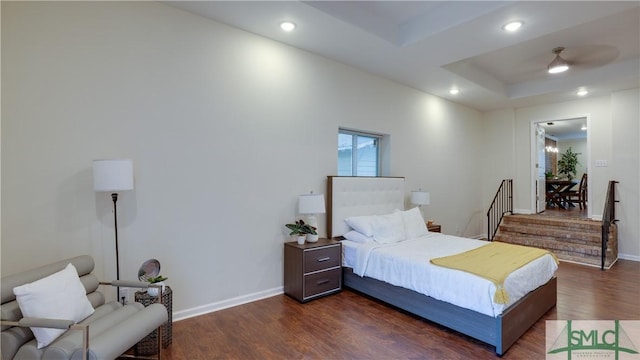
[(553, 245), (564, 223), (575, 240), (564, 234)]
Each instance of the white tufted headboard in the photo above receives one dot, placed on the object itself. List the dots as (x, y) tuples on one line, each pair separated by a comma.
[(355, 196)]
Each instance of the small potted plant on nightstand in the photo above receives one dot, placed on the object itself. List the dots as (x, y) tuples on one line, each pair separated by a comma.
[(300, 229)]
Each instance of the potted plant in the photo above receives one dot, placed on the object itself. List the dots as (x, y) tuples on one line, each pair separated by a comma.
[(158, 280), (300, 229), (567, 164)]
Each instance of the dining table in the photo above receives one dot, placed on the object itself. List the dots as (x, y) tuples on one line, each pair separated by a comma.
[(557, 191)]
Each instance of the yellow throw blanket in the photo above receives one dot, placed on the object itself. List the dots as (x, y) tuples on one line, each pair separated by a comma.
[(493, 262)]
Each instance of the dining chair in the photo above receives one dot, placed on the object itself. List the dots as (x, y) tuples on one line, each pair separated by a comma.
[(578, 196)]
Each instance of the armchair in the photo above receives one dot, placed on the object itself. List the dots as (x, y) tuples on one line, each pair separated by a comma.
[(108, 333)]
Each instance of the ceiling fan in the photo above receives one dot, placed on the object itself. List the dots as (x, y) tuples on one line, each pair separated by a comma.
[(581, 57)]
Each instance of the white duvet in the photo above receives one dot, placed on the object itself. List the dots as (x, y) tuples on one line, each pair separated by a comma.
[(407, 264)]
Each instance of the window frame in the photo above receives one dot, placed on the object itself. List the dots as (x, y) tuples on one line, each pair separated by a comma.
[(378, 139)]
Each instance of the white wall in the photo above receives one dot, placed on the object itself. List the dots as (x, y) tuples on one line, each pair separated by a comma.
[(613, 129), (225, 128), (625, 167)]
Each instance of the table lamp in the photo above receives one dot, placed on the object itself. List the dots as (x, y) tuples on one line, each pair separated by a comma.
[(420, 198), (311, 205)]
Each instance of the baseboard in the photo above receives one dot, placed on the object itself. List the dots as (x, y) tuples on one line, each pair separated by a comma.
[(629, 257), (523, 211), (216, 306)]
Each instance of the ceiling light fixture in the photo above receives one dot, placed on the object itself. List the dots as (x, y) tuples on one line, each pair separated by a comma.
[(512, 26), (454, 91), (584, 128), (287, 26), (558, 64), (582, 92)]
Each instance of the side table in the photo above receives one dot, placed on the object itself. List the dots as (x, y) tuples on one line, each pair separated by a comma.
[(149, 345), (312, 270), (434, 228)]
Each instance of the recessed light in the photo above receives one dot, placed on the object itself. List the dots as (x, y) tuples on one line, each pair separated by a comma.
[(454, 91), (287, 26), (582, 92), (584, 128), (512, 26)]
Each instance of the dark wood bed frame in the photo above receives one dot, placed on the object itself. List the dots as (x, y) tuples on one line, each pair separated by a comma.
[(501, 331)]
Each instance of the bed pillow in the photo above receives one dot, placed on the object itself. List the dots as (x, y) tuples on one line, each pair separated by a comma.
[(58, 296), (389, 228), (357, 237), (362, 224), (414, 224)]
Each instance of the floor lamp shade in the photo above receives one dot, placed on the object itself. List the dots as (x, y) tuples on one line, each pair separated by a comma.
[(113, 175)]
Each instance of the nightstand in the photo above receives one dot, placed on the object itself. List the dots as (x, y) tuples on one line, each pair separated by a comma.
[(434, 228), (312, 270)]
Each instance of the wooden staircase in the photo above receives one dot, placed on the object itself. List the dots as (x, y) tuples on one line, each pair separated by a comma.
[(573, 240)]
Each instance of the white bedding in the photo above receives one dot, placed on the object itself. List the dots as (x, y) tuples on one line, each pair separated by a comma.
[(407, 264)]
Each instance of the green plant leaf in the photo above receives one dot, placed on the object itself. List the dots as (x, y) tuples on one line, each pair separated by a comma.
[(157, 279)]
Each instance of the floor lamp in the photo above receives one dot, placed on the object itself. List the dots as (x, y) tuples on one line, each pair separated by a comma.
[(113, 175)]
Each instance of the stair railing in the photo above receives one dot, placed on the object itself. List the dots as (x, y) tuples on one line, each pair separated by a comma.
[(608, 219), (502, 203)]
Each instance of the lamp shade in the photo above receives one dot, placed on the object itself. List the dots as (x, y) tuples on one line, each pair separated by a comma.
[(311, 204), (113, 175), (420, 197)]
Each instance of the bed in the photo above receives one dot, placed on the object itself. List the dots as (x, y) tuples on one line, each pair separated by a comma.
[(499, 325)]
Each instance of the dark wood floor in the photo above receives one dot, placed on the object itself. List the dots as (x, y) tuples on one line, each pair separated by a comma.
[(351, 326)]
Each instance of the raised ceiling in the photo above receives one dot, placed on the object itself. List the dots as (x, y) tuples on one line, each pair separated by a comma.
[(433, 46)]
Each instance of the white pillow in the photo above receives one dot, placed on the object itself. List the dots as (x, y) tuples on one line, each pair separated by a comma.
[(58, 296), (362, 224), (357, 237), (389, 228), (414, 224)]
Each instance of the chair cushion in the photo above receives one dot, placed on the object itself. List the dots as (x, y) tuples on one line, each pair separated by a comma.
[(57, 296)]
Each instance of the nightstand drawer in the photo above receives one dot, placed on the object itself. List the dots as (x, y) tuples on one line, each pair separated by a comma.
[(322, 282), (321, 258)]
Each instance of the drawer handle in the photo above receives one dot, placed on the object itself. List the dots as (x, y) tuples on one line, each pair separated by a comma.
[(323, 259), (321, 282)]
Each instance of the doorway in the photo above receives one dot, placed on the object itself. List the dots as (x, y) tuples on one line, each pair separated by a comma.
[(551, 139)]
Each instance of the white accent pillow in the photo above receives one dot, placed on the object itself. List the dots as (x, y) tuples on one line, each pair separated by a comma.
[(58, 296), (362, 224), (389, 228), (414, 224), (357, 237)]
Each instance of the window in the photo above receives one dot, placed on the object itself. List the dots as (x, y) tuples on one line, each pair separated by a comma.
[(358, 154)]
